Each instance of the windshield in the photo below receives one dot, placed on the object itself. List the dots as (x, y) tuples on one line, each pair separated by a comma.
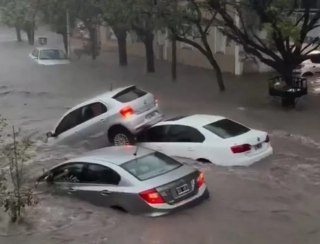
[(151, 166), (53, 54), (226, 128), (129, 94)]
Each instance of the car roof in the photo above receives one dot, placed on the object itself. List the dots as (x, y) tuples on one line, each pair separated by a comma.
[(114, 155), (196, 120)]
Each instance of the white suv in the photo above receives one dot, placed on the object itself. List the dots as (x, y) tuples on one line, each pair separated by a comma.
[(310, 66), (118, 114)]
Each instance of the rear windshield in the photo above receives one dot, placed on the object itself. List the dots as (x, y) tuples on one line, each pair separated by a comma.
[(129, 94), (226, 128), (151, 166)]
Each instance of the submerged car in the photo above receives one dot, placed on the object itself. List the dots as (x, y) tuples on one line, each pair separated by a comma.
[(208, 138), (310, 66), (133, 179), (117, 115), (49, 56)]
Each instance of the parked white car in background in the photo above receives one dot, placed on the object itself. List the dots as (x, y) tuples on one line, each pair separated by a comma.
[(49, 56), (118, 115), (310, 66), (208, 138)]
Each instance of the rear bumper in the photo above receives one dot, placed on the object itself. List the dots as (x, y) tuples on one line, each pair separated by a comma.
[(249, 160), (139, 122), (163, 209)]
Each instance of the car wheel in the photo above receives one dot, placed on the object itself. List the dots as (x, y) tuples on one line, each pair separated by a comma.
[(307, 74), (204, 161), (121, 136)]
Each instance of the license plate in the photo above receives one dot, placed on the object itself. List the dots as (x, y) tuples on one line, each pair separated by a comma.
[(149, 116), (258, 146), (182, 189)]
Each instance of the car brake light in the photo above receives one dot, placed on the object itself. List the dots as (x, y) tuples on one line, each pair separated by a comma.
[(126, 112), (200, 179), (152, 196), (267, 139), (241, 148)]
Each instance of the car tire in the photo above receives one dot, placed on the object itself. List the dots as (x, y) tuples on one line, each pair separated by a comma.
[(307, 74), (121, 136), (204, 161)]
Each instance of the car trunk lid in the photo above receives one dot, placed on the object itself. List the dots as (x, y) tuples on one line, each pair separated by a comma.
[(177, 185), (256, 139)]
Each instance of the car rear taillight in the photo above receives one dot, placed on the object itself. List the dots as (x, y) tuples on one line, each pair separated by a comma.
[(200, 179), (126, 112), (267, 139), (152, 196), (241, 148)]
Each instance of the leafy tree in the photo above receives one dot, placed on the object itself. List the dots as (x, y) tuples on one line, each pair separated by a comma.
[(190, 23), (144, 21), (116, 13), (89, 12), (283, 47), (20, 14), (15, 194)]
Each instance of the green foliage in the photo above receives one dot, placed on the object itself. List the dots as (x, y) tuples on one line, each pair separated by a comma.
[(117, 13), (15, 194), (54, 14), (18, 12)]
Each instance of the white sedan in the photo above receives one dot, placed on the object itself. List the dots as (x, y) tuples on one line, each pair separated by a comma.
[(208, 138), (49, 56)]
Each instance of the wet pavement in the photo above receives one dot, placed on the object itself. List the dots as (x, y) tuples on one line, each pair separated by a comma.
[(274, 201)]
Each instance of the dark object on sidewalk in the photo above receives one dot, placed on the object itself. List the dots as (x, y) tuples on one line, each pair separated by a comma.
[(42, 40), (288, 94)]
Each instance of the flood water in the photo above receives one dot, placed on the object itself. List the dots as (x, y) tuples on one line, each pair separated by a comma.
[(274, 201)]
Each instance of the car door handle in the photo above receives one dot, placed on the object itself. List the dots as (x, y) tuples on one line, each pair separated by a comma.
[(105, 193)]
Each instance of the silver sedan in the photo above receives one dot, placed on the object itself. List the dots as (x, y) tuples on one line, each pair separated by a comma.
[(133, 179)]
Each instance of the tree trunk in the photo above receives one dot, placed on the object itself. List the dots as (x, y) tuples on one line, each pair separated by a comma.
[(174, 58), (93, 39), (30, 34), (218, 71), (148, 43), (121, 35), (18, 32), (65, 42)]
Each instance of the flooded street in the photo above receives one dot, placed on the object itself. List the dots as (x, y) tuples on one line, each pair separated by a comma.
[(274, 201)]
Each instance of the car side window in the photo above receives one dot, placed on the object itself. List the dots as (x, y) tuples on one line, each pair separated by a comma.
[(154, 134), (181, 133), (98, 174), (71, 172), (70, 121), (92, 110)]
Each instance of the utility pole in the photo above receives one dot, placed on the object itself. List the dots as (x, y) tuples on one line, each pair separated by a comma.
[(68, 32)]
